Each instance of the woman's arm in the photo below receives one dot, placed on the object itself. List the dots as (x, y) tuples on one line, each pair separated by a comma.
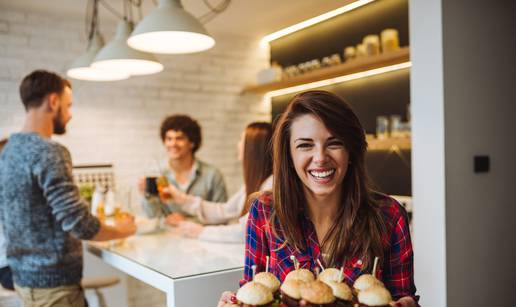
[(398, 265), (209, 212), (256, 245)]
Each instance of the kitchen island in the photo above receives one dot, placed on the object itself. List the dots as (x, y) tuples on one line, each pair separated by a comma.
[(191, 272)]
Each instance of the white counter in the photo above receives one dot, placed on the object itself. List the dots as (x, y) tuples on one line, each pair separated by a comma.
[(189, 271)]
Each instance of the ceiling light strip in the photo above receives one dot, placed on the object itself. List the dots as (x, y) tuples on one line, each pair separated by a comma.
[(340, 79), (314, 20)]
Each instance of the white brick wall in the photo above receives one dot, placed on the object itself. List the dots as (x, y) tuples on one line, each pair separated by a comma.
[(118, 122)]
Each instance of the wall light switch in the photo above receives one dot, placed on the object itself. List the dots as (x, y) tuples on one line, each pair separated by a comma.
[(481, 164)]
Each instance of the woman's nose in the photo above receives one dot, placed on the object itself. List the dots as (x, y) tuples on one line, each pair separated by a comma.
[(320, 155)]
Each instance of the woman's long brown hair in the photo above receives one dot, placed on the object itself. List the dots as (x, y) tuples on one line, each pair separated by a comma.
[(257, 157), (358, 226)]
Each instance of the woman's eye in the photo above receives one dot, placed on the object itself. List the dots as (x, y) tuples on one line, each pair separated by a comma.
[(335, 144), (304, 145)]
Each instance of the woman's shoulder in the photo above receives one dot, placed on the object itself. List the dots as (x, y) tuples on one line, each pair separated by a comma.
[(261, 203)]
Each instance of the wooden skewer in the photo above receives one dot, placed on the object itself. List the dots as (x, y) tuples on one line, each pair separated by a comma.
[(253, 267), (317, 271), (341, 273), (296, 263), (267, 264), (375, 265), (320, 264)]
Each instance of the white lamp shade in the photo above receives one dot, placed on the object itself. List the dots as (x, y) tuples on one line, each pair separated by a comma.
[(170, 29), (117, 56), (81, 69)]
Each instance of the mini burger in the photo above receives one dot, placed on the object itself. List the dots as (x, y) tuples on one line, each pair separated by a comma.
[(375, 296), (269, 280), (330, 274), (290, 292), (300, 274), (342, 293), (254, 294), (365, 282), (316, 294)]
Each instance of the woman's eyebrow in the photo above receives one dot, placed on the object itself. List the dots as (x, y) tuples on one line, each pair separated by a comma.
[(303, 140)]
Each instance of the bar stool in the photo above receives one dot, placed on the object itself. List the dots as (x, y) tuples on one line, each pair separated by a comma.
[(97, 283)]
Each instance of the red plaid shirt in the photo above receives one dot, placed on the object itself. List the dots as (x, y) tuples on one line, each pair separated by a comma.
[(396, 271)]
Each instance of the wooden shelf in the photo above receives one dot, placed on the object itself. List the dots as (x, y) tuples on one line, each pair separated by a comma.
[(389, 144), (346, 68)]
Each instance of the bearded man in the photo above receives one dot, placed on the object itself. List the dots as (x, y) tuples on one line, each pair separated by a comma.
[(43, 217)]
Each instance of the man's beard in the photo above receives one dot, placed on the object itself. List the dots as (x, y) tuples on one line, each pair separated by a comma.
[(59, 126)]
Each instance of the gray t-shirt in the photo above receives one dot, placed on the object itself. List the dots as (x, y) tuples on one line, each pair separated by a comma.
[(42, 214), (205, 181)]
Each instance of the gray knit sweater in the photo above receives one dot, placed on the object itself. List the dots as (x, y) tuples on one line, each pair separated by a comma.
[(42, 214)]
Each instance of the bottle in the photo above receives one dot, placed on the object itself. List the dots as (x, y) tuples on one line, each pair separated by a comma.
[(97, 200), (109, 203)]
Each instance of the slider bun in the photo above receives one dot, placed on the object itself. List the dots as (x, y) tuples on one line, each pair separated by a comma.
[(292, 288), (366, 281), (317, 292), (341, 290), (301, 274), (375, 296), (269, 280), (253, 293), (329, 274)]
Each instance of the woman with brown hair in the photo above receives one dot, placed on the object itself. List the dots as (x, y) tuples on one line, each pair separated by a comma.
[(254, 152), (322, 207)]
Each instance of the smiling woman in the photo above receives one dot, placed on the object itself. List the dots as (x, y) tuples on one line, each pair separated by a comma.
[(322, 210)]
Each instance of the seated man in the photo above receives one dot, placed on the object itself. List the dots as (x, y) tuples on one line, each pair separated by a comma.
[(181, 136)]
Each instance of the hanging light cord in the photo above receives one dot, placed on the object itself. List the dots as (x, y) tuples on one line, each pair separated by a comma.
[(128, 6), (111, 9), (214, 10), (91, 20)]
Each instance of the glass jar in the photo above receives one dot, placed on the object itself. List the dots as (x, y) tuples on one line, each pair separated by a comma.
[(390, 40), (371, 44)]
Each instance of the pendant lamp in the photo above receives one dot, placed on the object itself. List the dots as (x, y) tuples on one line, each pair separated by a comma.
[(81, 68), (169, 29), (118, 56)]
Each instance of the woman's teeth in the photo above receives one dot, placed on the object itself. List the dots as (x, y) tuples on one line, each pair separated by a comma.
[(323, 174)]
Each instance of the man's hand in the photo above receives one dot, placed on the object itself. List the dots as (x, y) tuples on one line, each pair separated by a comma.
[(125, 225), (174, 219)]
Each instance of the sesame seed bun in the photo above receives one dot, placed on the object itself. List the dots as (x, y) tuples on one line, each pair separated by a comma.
[(374, 296), (317, 292), (365, 282), (329, 274), (341, 290), (254, 293), (269, 280), (301, 274)]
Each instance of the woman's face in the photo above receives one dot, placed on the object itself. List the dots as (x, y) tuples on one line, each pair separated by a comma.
[(320, 159), (240, 147)]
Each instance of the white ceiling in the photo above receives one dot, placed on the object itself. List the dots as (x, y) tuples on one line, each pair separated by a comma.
[(243, 17)]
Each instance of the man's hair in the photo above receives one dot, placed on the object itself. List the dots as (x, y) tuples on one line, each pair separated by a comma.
[(38, 84), (185, 124)]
